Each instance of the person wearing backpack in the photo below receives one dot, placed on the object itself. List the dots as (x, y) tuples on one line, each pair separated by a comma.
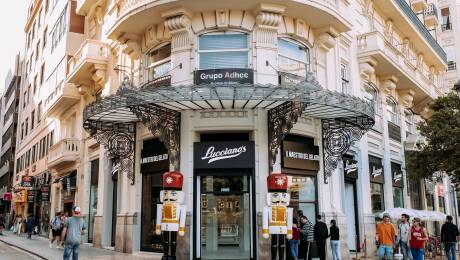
[(56, 229), (403, 236)]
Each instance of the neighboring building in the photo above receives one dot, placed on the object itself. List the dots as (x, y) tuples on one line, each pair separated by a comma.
[(225, 93), (46, 124), (8, 121), (450, 40)]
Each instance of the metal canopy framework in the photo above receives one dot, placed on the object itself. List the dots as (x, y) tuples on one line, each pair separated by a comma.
[(344, 118)]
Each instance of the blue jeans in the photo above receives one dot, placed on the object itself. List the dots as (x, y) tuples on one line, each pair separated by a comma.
[(449, 248), (405, 250), (335, 248), (294, 246), (418, 253), (71, 249), (385, 250)]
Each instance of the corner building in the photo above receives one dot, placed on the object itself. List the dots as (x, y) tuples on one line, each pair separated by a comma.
[(327, 92)]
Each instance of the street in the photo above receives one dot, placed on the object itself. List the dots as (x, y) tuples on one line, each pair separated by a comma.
[(8, 252)]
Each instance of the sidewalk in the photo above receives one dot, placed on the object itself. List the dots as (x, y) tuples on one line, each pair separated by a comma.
[(40, 246)]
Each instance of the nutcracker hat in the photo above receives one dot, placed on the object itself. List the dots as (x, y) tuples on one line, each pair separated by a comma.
[(173, 180), (277, 182)]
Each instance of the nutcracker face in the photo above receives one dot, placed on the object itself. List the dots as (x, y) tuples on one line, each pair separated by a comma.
[(278, 199), (172, 196)]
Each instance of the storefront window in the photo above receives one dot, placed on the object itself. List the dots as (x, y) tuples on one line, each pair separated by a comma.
[(93, 198), (225, 217), (377, 199), (293, 57), (303, 195), (223, 50), (398, 197), (429, 201), (442, 204), (158, 62)]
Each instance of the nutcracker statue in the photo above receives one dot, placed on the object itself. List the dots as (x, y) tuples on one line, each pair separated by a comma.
[(277, 217), (171, 213)]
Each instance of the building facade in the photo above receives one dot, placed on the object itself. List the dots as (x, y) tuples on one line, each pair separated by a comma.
[(328, 92)]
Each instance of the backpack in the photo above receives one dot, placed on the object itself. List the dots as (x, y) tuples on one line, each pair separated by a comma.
[(56, 223)]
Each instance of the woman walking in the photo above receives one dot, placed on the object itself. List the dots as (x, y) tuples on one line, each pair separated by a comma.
[(335, 240), (417, 238), (294, 242), (306, 237)]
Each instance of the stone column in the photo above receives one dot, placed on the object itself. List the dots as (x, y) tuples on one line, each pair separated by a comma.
[(406, 98)]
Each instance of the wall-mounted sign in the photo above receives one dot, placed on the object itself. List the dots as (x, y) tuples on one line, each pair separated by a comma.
[(376, 169), (154, 157), (396, 174), (208, 155), (235, 76), (350, 167), (289, 78), (20, 196), (7, 196), (302, 154), (27, 181), (45, 192), (31, 196)]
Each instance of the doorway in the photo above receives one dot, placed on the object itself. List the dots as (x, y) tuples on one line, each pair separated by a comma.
[(152, 184), (351, 214), (114, 208)]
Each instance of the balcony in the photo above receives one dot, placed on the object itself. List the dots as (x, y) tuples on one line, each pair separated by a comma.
[(83, 6), (89, 63), (5, 169), (63, 97), (407, 22), (451, 65), (64, 152), (418, 5), (431, 16), (394, 59)]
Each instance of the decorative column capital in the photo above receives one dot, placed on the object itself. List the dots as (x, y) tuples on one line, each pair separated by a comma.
[(178, 22), (407, 97), (367, 68), (388, 85), (269, 15)]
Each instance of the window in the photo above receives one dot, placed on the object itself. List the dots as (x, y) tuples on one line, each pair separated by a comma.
[(293, 57), (35, 84), (345, 80), (158, 62), (25, 99), (429, 201), (45, 36), (446, 24), (442, 204), (303, 195), (46, 5), (37, 50), (398, 197), (26, 127), (223, 50), (32, 120), (22, 131), (409, 120), (392, 111), (451, 61), (42, 74), (39, 112), (372, 96), (59, 29), (377, 199)]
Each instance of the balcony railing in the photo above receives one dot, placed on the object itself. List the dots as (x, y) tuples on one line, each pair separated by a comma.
[(91, 52), (431, 16), (65, 151), (418, 5), (451, 65), (422, 29), (62, 97), (446, 27)]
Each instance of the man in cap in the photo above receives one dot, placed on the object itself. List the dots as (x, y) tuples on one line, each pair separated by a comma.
[(385, 238), (73, 230)]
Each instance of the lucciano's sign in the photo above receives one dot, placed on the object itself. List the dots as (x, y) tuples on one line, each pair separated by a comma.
[(224, 155)]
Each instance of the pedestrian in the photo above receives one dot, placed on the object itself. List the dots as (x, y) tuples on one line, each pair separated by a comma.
[(56, 229), (449, 236), (417, 237), (294, 242), (385, 238), (73, 230), (63, 217), (321, 234), (2, 224), (19, 225), (403, 234), (30, 226), (334, 233), (306, 237)]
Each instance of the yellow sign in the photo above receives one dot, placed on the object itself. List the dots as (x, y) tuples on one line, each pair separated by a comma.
[(20, 196)]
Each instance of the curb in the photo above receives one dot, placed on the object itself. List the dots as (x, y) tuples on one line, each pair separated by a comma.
[(23, 249)]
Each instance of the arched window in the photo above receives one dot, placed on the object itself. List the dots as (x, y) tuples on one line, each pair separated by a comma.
[(372, 96), (392, 111), (158, 62), (293, 57), (223, 50), (409, 120)]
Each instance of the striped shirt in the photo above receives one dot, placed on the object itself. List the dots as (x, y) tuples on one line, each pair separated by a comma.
[(307, 231)]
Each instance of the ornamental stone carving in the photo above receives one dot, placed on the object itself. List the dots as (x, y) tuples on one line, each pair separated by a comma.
[(367, 68), (406, 97), (388, 85), (268, 19), (179, 24), (154, 35)]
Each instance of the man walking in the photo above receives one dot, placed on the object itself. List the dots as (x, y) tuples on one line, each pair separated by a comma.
[(73, 228), (404, 228), (449, 236), (385, 238), (321, 234)]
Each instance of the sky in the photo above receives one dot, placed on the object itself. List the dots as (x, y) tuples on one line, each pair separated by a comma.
[(13, 15)]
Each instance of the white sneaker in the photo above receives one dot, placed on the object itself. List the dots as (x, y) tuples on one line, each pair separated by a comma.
[(51, 245)]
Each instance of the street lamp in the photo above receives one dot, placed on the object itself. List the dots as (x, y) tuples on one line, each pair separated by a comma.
[(457, 88)]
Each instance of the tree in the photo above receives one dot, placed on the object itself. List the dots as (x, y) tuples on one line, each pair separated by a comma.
[(442, 150)]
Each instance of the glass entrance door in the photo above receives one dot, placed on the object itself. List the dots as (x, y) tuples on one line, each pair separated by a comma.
[(225, 217)]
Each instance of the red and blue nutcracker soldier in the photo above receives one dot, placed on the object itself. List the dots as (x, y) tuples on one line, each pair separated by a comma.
[(277, 217), (171, 213)]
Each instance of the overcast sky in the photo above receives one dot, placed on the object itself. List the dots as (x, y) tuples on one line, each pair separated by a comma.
[(13, 16)]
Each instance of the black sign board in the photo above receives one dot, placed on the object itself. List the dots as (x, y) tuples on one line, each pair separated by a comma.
[(31, 196), (45, 192), (209, 155), (394, 132), (236, 76), (350, 167), (396, 174), (27, 181), (302, 154), (154, 157), (376, 169)]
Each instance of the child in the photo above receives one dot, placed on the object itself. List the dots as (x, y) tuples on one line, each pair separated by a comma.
[(294, 242)]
